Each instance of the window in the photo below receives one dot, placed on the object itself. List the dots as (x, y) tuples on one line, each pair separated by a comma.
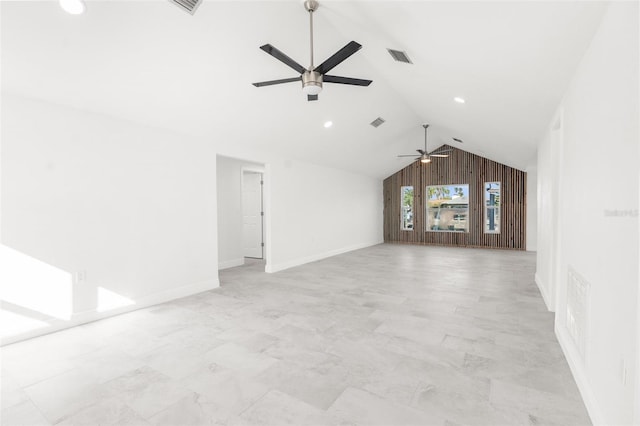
[(406, 200), (448, 208), (492, 207)]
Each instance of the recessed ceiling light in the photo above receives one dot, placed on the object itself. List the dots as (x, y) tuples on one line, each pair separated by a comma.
[(74, 7), (328, 124), (458, 100)]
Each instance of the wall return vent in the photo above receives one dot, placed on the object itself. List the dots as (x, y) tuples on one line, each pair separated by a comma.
[(187, 5), (577, 310), (399, 56)]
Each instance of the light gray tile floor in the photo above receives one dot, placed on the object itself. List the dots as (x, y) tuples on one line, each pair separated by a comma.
[(388, 335)]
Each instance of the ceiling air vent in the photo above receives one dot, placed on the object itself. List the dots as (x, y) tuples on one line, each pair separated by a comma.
[(457, 140), (399, 56), (377, 122), (188, 5)]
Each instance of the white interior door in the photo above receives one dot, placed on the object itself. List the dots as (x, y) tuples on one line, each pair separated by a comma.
[(252, 214)]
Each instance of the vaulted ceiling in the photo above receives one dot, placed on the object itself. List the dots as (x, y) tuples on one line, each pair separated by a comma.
[(152, 63)]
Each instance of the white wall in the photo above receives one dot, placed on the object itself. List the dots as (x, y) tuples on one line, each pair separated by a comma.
[(135, 209), (315, 212), (229, 184), (131, 206), (548, 190), (597, 207), (532, 208), (311, 211)]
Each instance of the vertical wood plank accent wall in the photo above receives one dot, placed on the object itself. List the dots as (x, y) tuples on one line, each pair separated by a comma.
[(460, 167)]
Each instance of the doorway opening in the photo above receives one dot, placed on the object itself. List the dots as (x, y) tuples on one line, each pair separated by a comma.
[(252, 214), (243, 213)]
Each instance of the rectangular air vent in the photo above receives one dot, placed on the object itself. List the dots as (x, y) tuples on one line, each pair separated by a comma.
[(457, 140), (377, 122), (399, 56), (188, 5), (577, 321)]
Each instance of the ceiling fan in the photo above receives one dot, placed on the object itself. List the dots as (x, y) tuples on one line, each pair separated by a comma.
[(312, 78), (425, 156)]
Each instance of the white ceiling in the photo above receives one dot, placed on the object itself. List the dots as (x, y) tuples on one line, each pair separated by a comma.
[(152, 63)]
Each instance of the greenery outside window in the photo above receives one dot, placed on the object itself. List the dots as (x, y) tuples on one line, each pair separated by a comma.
[(406, 193), (448, 208), (492, 207)]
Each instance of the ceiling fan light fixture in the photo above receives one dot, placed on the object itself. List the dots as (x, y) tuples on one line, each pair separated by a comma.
[(311, 83), (312, 88), (425, 159), (73, 7)]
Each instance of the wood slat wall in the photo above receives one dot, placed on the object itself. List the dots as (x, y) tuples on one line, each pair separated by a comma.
[(460, 167)]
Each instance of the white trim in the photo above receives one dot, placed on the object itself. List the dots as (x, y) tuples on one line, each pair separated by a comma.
[(262, 170), (543, 291), (636, 391), (574, 360), (271, 268), (266, 200), (230, 263), (251, 169), (243, 171), (143, 302)]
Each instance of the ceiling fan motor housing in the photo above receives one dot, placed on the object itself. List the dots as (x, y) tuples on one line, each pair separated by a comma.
[(311, 5), (311, 82)]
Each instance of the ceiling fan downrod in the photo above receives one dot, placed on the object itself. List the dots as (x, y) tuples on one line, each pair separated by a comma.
[(311, 6), (425, 157), (311, 80), (426, 126)]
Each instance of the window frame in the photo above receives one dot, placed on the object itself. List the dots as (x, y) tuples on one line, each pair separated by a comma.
[(454, 216), (404, 207), (496, 208)]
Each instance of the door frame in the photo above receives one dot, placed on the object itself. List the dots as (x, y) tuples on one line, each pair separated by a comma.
[(262, 172)]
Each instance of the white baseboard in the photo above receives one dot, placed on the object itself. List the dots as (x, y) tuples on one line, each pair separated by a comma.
[(543, 291), (579, 375), (89, 316), (230, 263), (270, 268)]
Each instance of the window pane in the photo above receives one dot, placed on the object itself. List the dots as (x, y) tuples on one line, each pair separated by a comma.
[(406, 192), (448, 208), (492, 207)]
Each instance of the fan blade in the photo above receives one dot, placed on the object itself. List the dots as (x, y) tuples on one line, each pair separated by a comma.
[(345, 80), (342, 54), (444, 151), (421, 151), (272, 82), (409, 155), (312, 98), (283, 58), (439, 155)]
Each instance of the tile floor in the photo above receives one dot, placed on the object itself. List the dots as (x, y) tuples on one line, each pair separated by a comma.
[(388, 335)]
